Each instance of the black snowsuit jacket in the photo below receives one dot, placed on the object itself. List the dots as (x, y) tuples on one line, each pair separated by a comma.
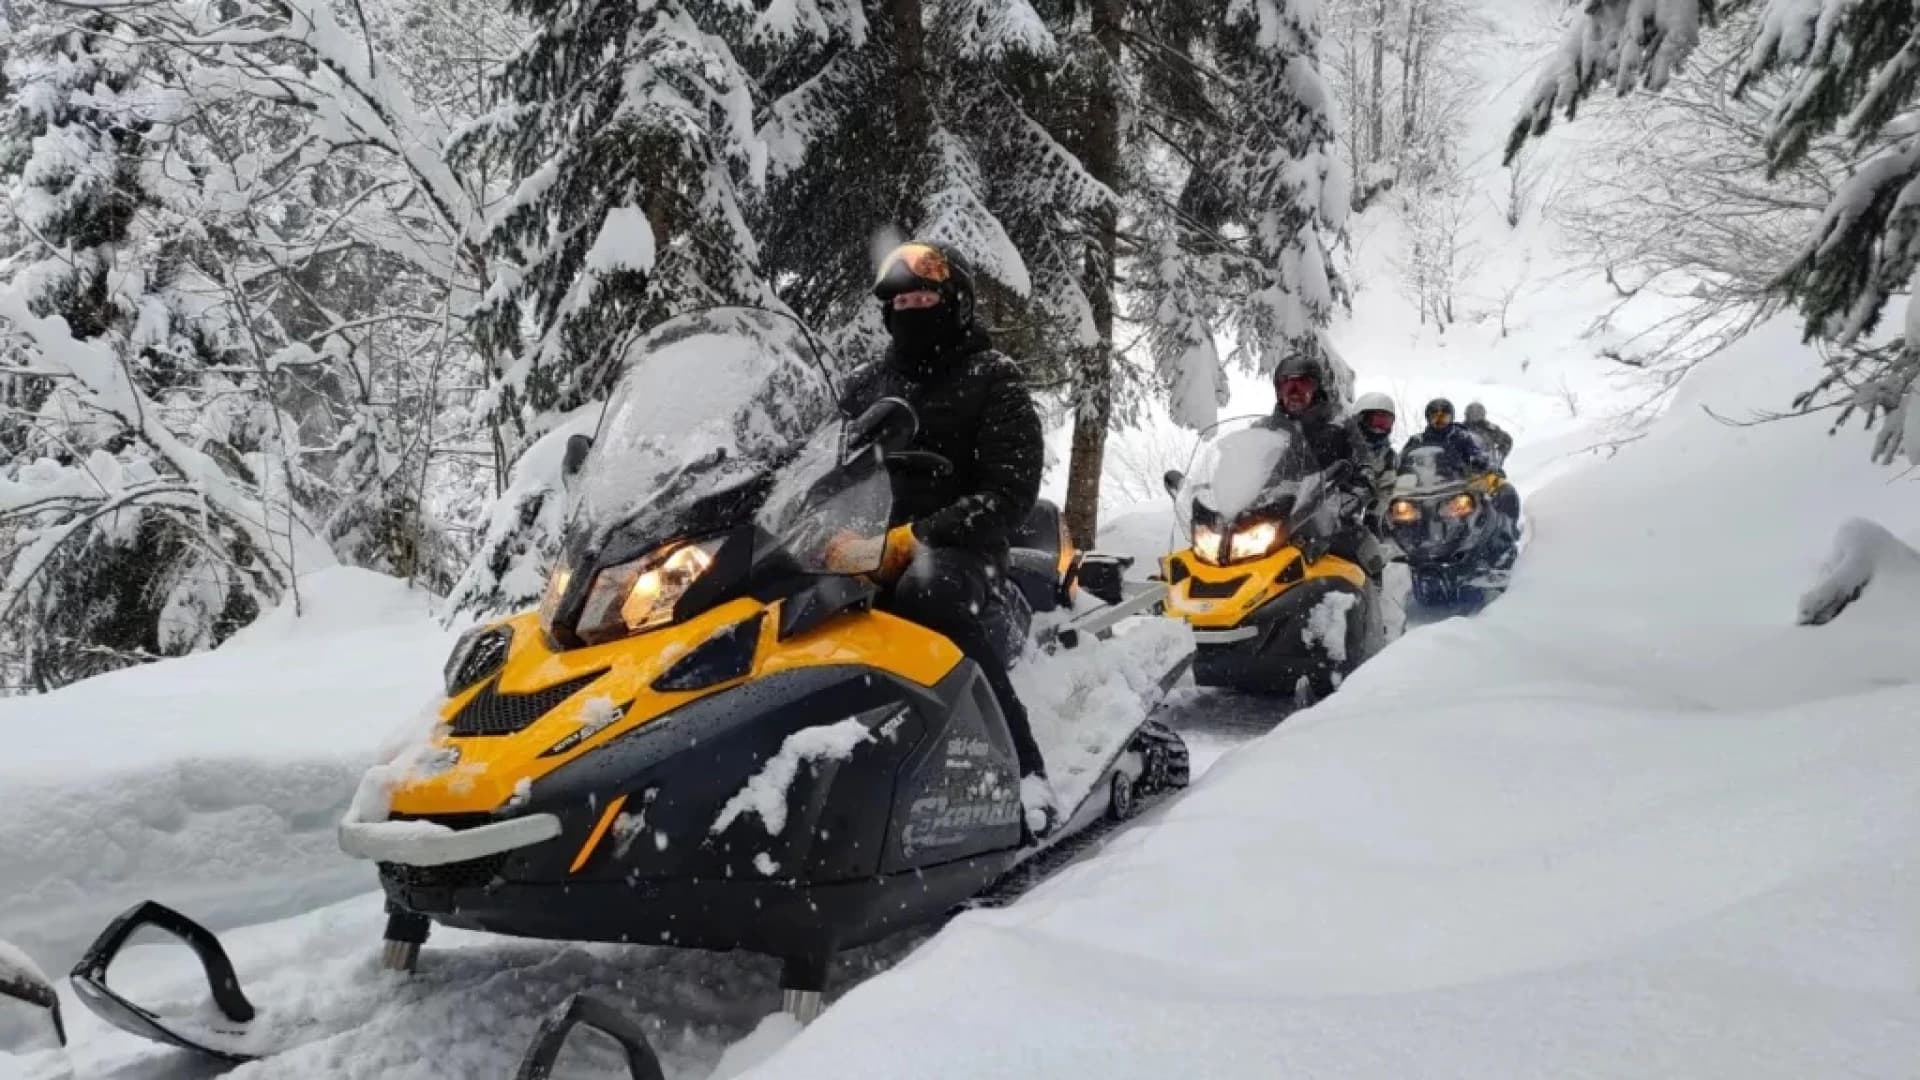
[(1494, 437), (978, 414), (1333, 439), (1457, 441)]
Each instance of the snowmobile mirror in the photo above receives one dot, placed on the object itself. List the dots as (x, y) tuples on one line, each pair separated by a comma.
[(1103, 577), (90, 984), (889, 423), (29, 1008), (578, 447), (1175, 480), (594, 1015)]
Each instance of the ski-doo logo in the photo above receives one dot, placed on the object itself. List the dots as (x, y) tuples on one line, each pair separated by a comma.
[(936, 822)]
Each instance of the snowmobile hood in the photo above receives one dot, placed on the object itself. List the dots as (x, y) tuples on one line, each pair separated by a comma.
[(546, 708)]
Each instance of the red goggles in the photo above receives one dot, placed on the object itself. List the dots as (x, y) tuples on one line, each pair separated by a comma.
[(1380, 423), (1297, 385)]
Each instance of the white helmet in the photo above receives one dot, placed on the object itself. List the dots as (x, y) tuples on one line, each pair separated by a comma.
[(1373, 403)]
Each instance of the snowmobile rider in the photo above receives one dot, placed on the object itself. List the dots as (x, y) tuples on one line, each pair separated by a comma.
[(1491, 436), (944, 562), (1300, 393), (1373, 420), (1444, 433)]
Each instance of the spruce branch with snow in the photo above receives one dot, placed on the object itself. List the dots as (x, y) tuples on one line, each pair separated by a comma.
[(1838, 74)]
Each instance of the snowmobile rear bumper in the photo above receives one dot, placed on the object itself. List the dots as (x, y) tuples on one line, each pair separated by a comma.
[(778, 918)]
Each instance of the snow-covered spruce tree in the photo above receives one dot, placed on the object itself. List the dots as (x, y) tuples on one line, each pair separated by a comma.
[(955, 121), (1238, 194), (1847, 69), (626, 130), (140, 514)]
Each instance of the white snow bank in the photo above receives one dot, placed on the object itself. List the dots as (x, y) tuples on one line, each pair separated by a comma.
[(211, 782), (1630, 822), (1864, 554), (1085, 703)]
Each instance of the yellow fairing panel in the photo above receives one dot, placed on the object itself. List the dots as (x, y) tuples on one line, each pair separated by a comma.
[(1259, 581), (490, 767)]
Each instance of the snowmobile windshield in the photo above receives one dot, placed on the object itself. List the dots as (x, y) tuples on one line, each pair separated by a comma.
[(712, 403), (1248, 465), (1431, 470)]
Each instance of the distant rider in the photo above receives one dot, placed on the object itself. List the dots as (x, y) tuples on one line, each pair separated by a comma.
[(1444, 433), (1491, 436), (1301, 397), (1373, 420), (944, 563)]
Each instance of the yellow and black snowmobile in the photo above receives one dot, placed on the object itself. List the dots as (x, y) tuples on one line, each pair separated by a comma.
[(1272, 609), (707, 735)]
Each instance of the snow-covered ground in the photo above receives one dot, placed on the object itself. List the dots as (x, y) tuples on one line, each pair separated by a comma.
[(1631, 821), (211, 782)]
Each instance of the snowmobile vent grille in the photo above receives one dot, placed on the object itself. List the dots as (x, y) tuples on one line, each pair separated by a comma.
[(494, 713), (472, 874), (1204, 590)]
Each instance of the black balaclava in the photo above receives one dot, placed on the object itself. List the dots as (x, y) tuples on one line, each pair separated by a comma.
[(926, 341)]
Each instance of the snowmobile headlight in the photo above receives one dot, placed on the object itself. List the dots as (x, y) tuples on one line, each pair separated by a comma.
[(638, 596), (1256, 541), (1459, 506), (477, 655), (1206, 544), (1403, 512), (557, 585)]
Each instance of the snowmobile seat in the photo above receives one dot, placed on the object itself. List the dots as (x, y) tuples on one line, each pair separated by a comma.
[(1035, 556)]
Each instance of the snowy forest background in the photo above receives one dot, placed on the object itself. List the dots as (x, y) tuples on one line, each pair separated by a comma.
[(293, 283)]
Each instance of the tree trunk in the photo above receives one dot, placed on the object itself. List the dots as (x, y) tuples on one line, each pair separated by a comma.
[(910, 73), (1376, 90), (1412, 73), (1094, 382)]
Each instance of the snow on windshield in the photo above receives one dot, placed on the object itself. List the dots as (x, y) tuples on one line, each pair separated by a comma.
[(1243, 464), (1432, 467), (723, 394)]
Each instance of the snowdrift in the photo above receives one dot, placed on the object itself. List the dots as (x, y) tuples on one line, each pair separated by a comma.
[(212, 782), (1631, 822)]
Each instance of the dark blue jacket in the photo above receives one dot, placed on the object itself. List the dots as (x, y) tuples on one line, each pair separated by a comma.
[(1457, 441)]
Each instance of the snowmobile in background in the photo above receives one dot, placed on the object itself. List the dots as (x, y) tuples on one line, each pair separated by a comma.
[(1272, 610), (707, 735), (1454, 529)]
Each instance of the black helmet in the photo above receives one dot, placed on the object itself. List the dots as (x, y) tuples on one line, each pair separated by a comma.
[(1476, 413), (1443, 409), (1300, 364), (918, 266), (1302, 378)]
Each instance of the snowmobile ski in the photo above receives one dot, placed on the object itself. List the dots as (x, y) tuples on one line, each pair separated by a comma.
[(24, 983), (220, 1041), (594, 1014)]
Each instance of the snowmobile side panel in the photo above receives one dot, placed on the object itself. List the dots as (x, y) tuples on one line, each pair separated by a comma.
[(678, 867), (583, 1010), (90, 985)]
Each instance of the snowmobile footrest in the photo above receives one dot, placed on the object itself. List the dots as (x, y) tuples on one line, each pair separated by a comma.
[(594, 1014), (90, 980)]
